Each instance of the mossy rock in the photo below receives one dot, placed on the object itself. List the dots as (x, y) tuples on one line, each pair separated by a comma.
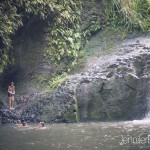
[(70, 115)]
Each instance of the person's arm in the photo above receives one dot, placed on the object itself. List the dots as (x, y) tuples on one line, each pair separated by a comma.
[(13, 90), (9, 91)]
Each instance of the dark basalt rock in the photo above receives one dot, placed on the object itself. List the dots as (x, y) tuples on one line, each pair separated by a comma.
[(9, 116), (117, 89)]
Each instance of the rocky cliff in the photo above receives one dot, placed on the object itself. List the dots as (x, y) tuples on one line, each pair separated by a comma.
[(110, 82), (113, 86)]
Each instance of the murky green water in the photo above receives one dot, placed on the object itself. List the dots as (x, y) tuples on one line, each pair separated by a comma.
[(132, 135)]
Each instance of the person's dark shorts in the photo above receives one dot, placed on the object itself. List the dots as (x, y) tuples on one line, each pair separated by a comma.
[(10, 95)]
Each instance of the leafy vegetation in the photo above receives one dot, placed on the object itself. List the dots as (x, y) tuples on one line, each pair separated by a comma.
[(64, 30), (11, 14), (49, 82), (92, 18), (64, 33), (69, 25), (133, 14)]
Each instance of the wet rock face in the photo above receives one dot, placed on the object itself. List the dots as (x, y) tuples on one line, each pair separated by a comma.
[(120, 91), (9, 116), (114, 87), (56, 106), (118, 98)]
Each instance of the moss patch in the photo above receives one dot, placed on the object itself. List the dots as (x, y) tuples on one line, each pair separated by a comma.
[(103, 43)]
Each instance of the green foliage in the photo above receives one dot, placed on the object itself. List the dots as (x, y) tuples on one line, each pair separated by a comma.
[(64, 36), (12, 12), (92, 18), (133, 14), (143, 6), (93, 28), (50, 82), (56, 81), (9, 21), (64, 33), (11, 15), (4, 60)]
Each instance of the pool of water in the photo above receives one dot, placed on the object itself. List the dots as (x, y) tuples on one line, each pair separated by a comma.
[(131, 135)]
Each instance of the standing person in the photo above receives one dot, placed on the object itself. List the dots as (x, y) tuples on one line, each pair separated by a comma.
[(11, 93)]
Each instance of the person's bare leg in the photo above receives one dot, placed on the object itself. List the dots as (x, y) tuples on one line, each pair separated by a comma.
[(10, 105), (12, 102)]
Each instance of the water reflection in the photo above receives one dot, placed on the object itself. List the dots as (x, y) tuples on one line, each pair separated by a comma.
[(85, 136)]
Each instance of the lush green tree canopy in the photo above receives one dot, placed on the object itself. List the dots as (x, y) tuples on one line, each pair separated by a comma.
[(63, 33)]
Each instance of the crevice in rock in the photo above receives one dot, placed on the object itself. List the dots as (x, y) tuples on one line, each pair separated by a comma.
[(132, 88), (102, 87)]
